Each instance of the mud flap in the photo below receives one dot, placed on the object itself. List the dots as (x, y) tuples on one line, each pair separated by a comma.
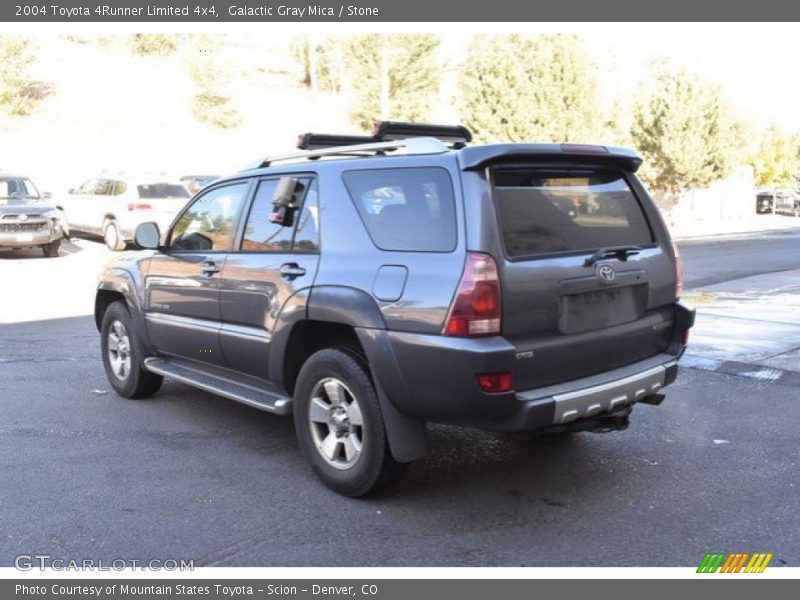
[(408, 438)]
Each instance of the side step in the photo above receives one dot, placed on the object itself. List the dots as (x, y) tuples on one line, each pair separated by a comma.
[(221, 385)]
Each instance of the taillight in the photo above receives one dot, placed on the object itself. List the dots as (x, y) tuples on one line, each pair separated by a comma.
[(493, 383), (139, 206), (477, 307), (678, 272)]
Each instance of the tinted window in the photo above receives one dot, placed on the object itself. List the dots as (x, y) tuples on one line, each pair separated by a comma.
[(547, 211), (260, 235), (306, 237), (153, 191), (406, 209), (210, 221)]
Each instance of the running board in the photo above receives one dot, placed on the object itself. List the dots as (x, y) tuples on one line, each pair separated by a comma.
[(220, 385)]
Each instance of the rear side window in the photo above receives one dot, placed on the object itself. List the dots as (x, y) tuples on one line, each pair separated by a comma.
[(545, 211), (406, 209), (153, 191)]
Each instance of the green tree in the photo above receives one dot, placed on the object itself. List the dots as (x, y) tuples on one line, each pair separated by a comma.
[(518, 88), (685, 131), (321, 61), (776, 163), (392, 77), (211, 75), (152, 44), (16, 56)]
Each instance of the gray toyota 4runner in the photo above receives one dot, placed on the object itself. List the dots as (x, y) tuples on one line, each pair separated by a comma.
[(369, 285)]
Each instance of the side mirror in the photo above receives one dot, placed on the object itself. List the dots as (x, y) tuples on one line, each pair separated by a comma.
[(71, 191), (282, 209), (46, 195), (147, 236)]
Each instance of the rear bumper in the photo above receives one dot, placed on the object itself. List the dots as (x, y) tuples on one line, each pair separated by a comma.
[(433, 378)]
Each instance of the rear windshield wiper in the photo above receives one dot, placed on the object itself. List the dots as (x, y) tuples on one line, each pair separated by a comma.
[(619, 252)]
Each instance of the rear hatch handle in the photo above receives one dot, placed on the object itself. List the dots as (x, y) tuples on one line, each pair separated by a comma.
[(619, 252)]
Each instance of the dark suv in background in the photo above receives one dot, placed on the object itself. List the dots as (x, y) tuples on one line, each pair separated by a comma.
[(370, 285)]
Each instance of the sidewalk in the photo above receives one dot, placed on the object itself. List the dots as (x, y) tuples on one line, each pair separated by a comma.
[(754, 321), (686, 230)]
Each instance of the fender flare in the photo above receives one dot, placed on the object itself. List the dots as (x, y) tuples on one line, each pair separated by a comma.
[(408, 439), (122, 282)]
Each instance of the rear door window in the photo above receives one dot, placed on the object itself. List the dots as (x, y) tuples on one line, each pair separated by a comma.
[(550, 211), (409, 209), (154, 191)]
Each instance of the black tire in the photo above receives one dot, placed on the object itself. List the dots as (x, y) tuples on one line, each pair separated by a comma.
[(137, 381), (374, 466), (51, 249), (112, 236)]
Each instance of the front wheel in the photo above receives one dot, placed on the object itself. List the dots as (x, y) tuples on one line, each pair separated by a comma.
[(123, 355), (51, 249), (339, 425)]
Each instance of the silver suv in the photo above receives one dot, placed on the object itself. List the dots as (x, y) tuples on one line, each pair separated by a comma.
[(27, 219)]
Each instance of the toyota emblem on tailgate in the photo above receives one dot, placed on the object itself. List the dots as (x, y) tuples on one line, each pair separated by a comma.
[(606, 273)]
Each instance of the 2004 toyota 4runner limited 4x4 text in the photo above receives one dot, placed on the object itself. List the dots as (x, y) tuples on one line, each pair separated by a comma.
[(370, 284)]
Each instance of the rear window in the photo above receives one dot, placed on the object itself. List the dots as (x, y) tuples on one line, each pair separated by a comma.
[(545, 211), (154, 191), (406, 209)]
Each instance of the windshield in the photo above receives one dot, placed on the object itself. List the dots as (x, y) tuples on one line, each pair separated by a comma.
[(17, 187)]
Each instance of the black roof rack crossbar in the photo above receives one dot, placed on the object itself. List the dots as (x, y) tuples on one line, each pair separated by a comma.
[(317, 141), (387, 136)]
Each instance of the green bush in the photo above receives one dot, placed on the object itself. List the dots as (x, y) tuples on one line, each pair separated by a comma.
[(152, 44), (215, 110)]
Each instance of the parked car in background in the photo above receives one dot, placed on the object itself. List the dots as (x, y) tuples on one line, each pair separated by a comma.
[(27, 220), (779, 202), (788, 203), (114, 206), (195, 183)]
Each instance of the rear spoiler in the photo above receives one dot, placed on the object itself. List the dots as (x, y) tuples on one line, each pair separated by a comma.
[(475, 158)]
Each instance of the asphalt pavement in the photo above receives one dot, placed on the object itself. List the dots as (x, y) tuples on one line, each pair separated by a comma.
[(187, 475)]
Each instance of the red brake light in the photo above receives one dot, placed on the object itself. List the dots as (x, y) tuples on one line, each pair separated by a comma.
[(678, 272), (139, 206), (493, 383), (477, 307)]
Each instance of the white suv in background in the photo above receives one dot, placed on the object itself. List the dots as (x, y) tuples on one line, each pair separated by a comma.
[(113, 206)]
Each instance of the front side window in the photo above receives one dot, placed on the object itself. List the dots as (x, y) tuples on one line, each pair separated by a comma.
[(406, 209), (301, 235), (546, 211), (209, 224)]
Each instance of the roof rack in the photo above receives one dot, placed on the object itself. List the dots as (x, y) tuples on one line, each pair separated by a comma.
[(417, 145), (387, 136)]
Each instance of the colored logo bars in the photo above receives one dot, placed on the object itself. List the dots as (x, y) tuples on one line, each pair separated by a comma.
[(734, 562)]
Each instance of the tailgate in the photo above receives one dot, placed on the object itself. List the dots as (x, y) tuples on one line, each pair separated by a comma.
[(588, 282)]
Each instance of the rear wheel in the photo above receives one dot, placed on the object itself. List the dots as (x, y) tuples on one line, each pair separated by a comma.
[(123, 355), (112, 236), (339, 424), (51, 249)]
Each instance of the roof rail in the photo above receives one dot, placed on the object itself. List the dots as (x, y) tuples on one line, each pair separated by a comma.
[(414, 145)]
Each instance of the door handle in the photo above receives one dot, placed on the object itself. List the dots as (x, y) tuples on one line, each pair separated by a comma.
[(210, 267), (292, 270)]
